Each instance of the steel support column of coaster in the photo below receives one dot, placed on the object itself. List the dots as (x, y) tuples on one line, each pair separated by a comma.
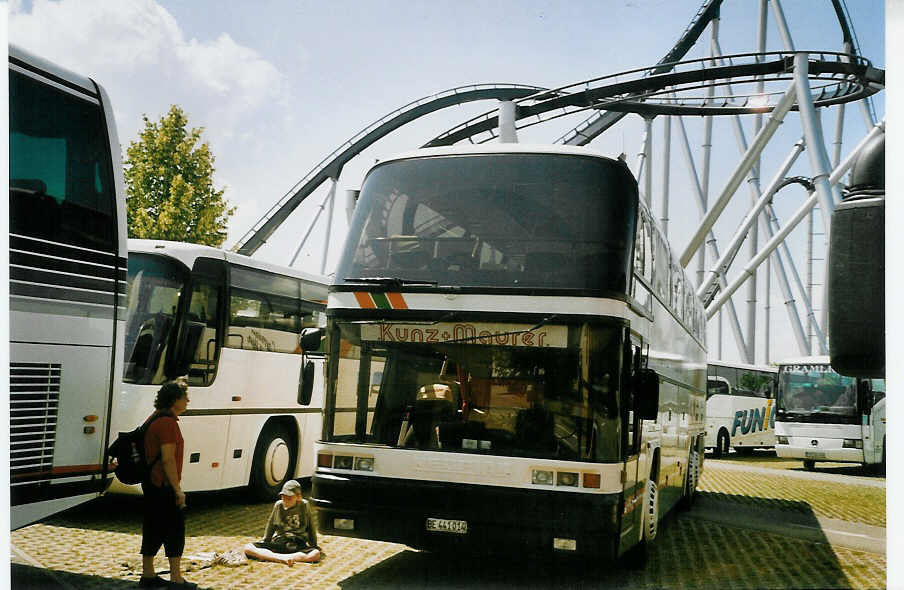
[(770, 246), (780, 236), (734, 322), (819, 160), (759, 142), (313, 223), (329, 224), (666, 171), (707, 290)]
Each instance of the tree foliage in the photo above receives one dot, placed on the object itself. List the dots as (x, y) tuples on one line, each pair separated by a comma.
[(169, 184)]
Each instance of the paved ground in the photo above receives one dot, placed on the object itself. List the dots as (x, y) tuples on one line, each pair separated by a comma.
[(726, 541)]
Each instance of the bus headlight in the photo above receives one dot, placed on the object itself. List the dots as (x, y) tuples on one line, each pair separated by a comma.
[(343, 462), (566, 478), (852, 443), (781, 440), (364, 464), (541, 477)]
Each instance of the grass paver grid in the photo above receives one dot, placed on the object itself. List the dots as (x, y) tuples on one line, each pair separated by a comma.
[(87, 547), (834, 500)]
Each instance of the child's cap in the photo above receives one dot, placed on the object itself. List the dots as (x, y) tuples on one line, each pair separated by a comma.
[(290, 488)]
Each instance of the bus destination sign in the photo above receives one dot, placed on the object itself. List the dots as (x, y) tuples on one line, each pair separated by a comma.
[(521, 335)]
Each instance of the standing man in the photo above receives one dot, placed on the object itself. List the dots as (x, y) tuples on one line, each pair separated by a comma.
[(164, 500)]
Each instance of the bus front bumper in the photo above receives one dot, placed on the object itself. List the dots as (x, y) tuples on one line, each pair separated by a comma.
[(826, 450), (487, 519)]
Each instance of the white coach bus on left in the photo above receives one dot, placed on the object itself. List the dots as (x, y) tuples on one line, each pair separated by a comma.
[(236, 327), (67, 284)]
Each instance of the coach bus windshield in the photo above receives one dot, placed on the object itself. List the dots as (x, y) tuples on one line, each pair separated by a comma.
[(154, 286), (546, 391), (816, 393), (534, 221)]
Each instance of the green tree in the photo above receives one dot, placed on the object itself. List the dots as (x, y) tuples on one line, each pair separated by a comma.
[(169, 184)]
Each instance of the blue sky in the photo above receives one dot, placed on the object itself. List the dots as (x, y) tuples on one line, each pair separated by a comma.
[(278, 85)]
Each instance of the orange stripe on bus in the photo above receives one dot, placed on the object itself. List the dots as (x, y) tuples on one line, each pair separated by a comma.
[(365, 301), (397, 301)]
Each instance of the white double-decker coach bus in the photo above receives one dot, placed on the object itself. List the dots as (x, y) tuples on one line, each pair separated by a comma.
[(739, 407), (824, 416), (248, 336), (67, 280), (515, 359)]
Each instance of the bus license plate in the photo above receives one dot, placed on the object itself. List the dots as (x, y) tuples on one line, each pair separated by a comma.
[(814, 455), (447, 526)]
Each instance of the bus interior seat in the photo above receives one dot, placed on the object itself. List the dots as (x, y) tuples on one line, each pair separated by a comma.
[(434, 404)]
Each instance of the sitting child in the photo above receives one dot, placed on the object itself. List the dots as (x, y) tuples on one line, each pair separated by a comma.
[(290, 536)]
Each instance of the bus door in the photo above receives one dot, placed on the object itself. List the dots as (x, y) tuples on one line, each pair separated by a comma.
[(633, 488)]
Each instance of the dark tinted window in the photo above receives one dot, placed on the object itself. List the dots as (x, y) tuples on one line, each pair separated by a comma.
[(60, 174), (496, 220)]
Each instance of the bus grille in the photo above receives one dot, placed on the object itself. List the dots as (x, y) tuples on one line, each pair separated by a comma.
[(34, 400)]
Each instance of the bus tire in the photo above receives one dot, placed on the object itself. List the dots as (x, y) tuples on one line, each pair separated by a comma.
[(809, 464), (651, 512), (693, 475), (274, 461), (723, 443)]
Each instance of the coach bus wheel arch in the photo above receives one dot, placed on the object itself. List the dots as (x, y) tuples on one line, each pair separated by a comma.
[(809, 464), (723, 443), (275, 456)]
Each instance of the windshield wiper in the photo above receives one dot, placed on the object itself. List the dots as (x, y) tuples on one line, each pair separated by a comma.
[(391, 281)]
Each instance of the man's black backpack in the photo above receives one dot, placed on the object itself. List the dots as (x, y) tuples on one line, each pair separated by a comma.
[(128, 450)]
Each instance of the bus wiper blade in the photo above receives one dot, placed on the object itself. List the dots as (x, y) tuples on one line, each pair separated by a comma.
[(391, 281)]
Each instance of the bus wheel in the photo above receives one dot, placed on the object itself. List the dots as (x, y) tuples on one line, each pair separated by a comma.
[(809, 464), (651, 512), (722, 444), (274, 461), (693, 474)]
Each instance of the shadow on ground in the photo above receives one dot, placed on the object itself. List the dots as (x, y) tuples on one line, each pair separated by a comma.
[(766, 458), (690, 552)]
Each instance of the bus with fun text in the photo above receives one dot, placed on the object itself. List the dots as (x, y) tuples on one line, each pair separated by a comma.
[(739, 407), (247, 334), (509, 334), (67, 282), (824, 416)]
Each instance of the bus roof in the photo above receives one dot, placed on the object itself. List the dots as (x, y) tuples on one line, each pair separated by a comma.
[(767, 368), (499, 148), (187, 253), (806, 360), (48, 67)]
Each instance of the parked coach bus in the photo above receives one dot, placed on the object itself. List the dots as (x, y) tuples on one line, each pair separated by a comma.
[(824, 416), (67, 280), (516, 360), (235, 326), (739, 407)]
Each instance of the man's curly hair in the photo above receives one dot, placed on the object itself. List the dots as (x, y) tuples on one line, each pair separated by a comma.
[(170, 393)]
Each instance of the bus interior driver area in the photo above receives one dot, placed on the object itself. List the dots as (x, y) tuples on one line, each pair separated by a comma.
[(500, 389)]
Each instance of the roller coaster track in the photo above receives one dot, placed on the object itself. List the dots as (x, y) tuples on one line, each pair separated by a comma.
[(840, 78), (331, 166)]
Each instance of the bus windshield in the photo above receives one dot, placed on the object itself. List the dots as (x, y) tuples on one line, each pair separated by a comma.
[(154, 286), (540, 221), (814, 392), (547, 391)]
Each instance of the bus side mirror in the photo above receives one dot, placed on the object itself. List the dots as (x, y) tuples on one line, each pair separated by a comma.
[(306, 383), (646, 394), (310, 339)]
